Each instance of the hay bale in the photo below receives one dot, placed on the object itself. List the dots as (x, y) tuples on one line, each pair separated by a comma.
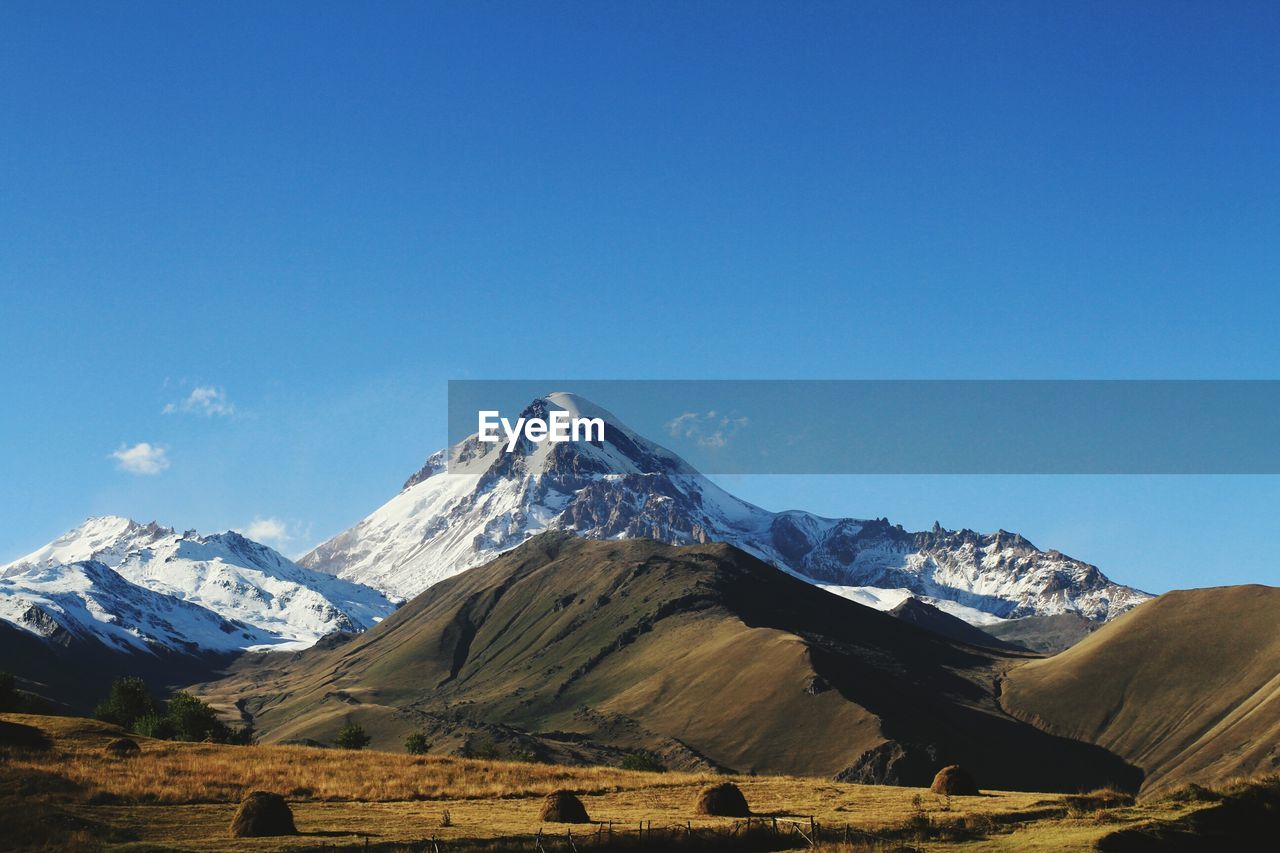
[(122, 747), (563, 807), (954, 781), (723, 800), (261, 815)]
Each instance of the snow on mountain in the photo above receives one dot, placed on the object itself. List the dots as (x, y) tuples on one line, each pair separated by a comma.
[(473, 501), (106, 538), (89, 601), (128, 575), (887, 599)]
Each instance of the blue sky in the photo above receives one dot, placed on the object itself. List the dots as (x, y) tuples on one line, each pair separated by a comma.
[(325, 211)]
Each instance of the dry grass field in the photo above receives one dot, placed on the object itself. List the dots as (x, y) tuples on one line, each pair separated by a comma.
[(58, 790)]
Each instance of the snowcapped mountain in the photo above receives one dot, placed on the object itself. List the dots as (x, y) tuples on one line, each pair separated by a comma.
[(88, 601), (106, 538), (147, 586), (473, 501)]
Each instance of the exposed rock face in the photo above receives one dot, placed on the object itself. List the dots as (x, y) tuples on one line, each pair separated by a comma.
[(893, 763), (472, 502)]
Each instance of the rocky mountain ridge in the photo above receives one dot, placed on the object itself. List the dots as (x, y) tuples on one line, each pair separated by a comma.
[(471, 502)]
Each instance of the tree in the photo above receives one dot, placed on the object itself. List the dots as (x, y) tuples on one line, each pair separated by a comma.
[(158, 726), (352, 736), (243, 736), (127, 702), (416, 744), (194, 720)]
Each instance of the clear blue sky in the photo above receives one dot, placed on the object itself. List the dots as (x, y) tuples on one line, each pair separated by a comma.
[(325, 211)]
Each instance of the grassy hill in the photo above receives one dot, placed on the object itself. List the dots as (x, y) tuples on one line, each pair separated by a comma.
[(580, 652), (1186, 686), (59, 790)]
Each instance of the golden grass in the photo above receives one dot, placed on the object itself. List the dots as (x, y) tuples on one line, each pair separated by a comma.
[(183, 796), (173, 773)]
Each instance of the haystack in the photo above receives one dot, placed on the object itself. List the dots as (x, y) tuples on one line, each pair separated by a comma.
[(953, 780), (563, 807), (262, 815), (723, 800), (122, 747)]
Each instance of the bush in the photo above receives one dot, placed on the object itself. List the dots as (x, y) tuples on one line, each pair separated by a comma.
[(128, 701), (243, 736), (193, 720), (416, 744), (352, 736), (154, 725), (183, 717)]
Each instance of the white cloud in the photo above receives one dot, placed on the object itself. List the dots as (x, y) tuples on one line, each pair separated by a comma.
[(267, 530), (203, 400), (142, 458), (708, 429)]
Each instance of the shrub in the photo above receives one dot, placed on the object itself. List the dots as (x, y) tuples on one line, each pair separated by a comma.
[(193, 720), (184, 717), (128, 700), (243, 736), (352, 736), (416, 744), (154, 725)]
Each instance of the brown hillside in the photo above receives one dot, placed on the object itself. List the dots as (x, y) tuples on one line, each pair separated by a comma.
[(1186, 686), (583, 651)]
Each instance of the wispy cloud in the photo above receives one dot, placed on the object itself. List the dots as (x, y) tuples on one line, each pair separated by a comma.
[(142, 458), (203, 400), (707, 429), (277, 532), (269, 530)]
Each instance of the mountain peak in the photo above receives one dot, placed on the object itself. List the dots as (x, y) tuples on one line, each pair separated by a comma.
[(623, 451), (145, 568), (107, 538), (628, 487)]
